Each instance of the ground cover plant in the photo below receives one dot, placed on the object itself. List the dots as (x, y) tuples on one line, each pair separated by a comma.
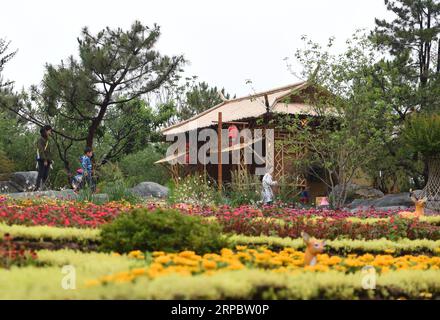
[(122, 250)]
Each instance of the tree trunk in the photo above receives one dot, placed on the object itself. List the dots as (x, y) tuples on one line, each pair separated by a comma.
[(95, 124), (432, 188)]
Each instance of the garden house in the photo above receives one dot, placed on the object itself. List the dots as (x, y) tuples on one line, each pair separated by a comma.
[(256, 111)]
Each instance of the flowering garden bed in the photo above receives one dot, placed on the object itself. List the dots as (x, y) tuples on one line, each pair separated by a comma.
[(263, 259)]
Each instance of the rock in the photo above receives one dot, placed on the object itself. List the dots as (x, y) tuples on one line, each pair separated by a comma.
[(67, 194), (398, 200), (8, 187), (150, 189), (369, 193), (355, 191), (25, 181), (62, 195)]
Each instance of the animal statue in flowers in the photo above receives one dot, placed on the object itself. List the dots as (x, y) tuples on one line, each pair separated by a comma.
[(420, 207), (313, 248)]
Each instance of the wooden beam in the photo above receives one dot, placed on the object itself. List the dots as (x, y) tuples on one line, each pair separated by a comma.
[(219, 155), (233, 122)]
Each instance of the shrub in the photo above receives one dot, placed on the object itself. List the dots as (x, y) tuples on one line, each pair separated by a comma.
[(6, 165), (110, 172), (422, 134), (161, 230)]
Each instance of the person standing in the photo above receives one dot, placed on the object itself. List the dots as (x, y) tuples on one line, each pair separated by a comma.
[(44, 156), (86, 166), (267, 193)]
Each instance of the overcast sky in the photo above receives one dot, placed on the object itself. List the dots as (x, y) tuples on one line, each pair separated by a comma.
[(226, 42)]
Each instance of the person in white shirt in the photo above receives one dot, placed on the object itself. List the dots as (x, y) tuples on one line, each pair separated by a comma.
[(267, 193)]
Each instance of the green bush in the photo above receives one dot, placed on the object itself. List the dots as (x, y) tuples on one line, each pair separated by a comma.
[(422, 134), (6, 165), (161, 230), (139, 167), (109, 172)]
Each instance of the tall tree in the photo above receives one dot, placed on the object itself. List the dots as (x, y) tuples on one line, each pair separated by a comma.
[(200, 97), (412, 39), (409, 77), (349, 125), (115, 67), (5, 56)]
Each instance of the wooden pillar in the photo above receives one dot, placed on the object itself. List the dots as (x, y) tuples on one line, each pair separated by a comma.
[(219, 139)]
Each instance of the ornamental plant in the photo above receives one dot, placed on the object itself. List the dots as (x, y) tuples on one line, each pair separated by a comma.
[(162, 230)]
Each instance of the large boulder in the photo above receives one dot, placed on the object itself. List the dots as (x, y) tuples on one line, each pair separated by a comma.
[(62, 195), (24, 181), (8, 187), (150, 189), (394, 201), (67, 194), (355, 191)]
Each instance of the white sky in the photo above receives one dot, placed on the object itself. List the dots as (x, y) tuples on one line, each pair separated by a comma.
[(226, 41)]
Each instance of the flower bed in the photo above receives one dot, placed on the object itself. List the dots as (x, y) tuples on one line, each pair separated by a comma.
[(324, 228), (43, 211), (61, 213), (290, 261)]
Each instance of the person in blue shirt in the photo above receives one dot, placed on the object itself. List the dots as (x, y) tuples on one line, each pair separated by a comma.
[(86, 166)]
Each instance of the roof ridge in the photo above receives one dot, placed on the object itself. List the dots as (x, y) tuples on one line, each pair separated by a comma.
[(272, 91), (257, 95)]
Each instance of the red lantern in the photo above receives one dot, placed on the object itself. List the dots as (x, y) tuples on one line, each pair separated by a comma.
[(232, 133)]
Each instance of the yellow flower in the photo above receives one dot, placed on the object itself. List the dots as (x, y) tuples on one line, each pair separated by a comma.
[(138, 271), (209, 264), (226, 252), (240, 248), (289, 250), (158, 253), (235, 266), (385, 269), (244, 255), (187, 254), (184, 261), (92, 283), (162, 259), (367, 257), (135, 254)]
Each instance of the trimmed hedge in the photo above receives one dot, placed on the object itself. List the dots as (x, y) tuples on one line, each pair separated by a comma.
[(161, 230), (34, 283), (38, 233), (344, 245), (82, 236)]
